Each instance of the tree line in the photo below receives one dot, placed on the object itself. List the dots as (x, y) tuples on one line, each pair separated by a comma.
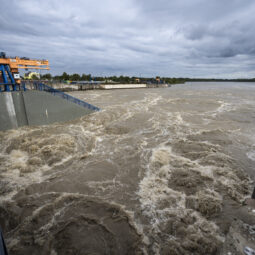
[(109, 79), (127, 79)]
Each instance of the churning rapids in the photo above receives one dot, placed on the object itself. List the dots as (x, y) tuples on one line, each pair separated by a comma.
[(157, 171)]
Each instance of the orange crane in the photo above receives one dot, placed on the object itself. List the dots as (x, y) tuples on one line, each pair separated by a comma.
[(9, 66)]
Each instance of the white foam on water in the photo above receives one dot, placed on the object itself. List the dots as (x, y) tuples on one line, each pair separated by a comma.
[(160, 202), (18, 158), (153, 188), (162, 147), (64, 160), (222, 108), (225, 107), (32, 156), (251, 155)]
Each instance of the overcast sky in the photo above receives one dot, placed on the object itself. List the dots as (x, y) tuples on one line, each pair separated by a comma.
[(188, 38)]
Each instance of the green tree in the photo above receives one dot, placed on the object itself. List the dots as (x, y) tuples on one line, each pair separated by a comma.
[(46, 76), (86, 77), (75, 77), (65, 76), (34, 77)]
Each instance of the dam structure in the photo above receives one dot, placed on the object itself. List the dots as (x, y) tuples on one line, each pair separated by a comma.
[(41, 106)]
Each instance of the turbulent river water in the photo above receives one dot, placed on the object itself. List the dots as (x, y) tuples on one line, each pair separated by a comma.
[(157, 171)]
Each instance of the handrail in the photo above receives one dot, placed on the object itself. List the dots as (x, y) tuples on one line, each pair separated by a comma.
[(55, 92), (8, 87)]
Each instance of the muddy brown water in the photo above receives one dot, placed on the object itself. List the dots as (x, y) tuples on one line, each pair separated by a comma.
[(157, 171)]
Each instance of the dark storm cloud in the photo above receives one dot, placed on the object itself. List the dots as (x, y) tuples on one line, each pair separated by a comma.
[(146, 37)]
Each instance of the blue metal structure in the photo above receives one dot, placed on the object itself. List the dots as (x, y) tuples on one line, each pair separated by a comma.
[(55, 92), (3, 249), (9, 70), (7, 79)]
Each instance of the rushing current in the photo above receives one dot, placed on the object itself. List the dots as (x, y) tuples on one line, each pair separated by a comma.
[(157, 171)]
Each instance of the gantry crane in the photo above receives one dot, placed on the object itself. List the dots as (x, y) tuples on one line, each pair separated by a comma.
[(9, 66)]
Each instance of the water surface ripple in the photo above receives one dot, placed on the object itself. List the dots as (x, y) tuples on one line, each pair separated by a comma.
[(157, 171)]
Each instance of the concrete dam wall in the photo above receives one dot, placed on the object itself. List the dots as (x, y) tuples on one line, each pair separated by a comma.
[(22, 108)]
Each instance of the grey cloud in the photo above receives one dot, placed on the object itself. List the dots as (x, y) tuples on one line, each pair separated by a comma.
[(169, 38)]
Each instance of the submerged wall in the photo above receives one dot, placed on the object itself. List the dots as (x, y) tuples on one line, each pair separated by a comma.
[(36, 108)]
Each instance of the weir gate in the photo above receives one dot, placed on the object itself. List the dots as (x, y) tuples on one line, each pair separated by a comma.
[(41, 106)]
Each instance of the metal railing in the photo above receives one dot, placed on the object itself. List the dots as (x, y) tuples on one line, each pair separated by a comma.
[(42, 87), (7, 87)]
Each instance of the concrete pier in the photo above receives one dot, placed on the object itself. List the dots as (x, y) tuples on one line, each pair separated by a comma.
[(36, 108), (122, 86)]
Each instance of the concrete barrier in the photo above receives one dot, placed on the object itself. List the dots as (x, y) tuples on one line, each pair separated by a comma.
[(36, 108), (122, 86)]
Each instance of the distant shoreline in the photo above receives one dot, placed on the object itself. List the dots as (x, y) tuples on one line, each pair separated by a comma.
[(220, 80)]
